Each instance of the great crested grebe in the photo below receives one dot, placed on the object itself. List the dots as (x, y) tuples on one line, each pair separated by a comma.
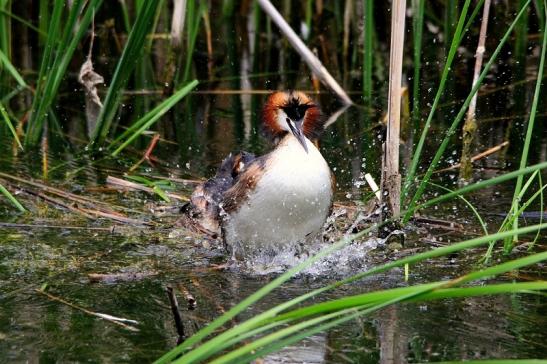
[(280, 198)]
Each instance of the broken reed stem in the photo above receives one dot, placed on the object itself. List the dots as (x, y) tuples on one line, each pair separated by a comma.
[(470, 126), (90, 212), (209, 38), (475, 158), (76, 199), (119, 277), (62, 227), (177, 22), (112, 319), (391, 179), (127, 185), (312, 61), (147, 153), (190, 299)]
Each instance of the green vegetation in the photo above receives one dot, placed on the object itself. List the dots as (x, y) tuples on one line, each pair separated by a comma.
[(227, 46)]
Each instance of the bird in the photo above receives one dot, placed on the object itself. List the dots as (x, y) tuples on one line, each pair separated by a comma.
[(275, 200)]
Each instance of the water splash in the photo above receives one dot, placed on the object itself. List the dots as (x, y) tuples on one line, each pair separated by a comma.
[(346, 261)]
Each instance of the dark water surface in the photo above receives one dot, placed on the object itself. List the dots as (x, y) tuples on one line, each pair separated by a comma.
[(36, 328)]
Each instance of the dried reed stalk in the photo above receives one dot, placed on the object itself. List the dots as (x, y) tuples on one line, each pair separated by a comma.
[(470, 126), (391, 178), (177, 22)]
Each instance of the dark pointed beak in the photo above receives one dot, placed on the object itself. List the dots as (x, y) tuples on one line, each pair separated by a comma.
[(296, 128)]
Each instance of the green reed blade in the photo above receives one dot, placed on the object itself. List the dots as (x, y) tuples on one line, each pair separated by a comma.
[(151, 117), (530, 128), (384, 300), (12, 199), (411, 173), (7, 121), (321, 328), (24, 22), (56, 59), (450, 132), (131, 54), (192, 23), (5, 62), (374, 297)]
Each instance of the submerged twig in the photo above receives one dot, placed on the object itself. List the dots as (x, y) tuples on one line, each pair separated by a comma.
[(176, 313), (112, 319), (438, 223), (119, 277)]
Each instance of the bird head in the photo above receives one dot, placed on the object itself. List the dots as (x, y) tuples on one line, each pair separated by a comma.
[(292, 112)]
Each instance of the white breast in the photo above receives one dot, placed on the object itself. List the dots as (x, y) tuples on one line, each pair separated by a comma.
[(289, 203)]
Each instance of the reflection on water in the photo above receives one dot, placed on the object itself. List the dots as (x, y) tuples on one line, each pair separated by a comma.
[(36, 329)]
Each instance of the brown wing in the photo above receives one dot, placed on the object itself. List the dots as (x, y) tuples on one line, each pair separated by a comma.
[(244, 184), (202, 212)]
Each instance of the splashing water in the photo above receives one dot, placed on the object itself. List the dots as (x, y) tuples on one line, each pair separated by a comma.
[(279, 258)]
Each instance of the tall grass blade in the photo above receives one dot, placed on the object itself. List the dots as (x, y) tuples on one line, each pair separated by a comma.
[(7, 121), (530, 128), (5, 28), (8, 66), (367, 299), (193, 24), (131, 53), (521, 39), (23, 21), (450, 132), (376, 296), (151, 117), (469, 204), (447, 66), (43, 20), (360, 305), (11, 199)]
